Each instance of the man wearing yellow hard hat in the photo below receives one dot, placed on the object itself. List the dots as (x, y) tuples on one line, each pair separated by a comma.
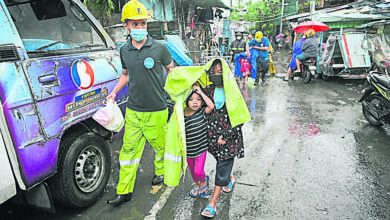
[(143, 60), (257, 51)]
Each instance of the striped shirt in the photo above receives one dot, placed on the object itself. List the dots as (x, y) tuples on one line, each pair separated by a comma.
[(196, 133)]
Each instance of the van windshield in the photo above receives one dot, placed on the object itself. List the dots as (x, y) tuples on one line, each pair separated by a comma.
[(53, 25)]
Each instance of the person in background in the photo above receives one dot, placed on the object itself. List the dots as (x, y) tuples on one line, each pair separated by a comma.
[(310, 48), (143, 60), (245, 68), (296, 51), (250, 38), (272, 69), (259, 49), (238, 45)]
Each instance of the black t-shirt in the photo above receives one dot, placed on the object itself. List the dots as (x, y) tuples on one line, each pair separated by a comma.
[(146, 75)]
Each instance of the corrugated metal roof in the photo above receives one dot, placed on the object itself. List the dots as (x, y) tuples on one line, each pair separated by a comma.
[(327, 10), (357, 11)]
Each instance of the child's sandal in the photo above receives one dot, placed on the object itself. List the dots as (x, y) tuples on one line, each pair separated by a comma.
[(203, 194), (195, 194), (211, 212), (229, 187)]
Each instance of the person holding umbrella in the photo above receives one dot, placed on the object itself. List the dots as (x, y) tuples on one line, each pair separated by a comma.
[(310, 48)]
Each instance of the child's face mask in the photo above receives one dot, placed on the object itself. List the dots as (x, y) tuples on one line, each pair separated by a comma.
[(216, 75), (216, 80)]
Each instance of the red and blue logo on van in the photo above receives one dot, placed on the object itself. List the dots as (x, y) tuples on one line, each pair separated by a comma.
[(82, 74)]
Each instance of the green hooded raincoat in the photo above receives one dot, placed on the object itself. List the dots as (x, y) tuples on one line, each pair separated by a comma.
[(179, 85)]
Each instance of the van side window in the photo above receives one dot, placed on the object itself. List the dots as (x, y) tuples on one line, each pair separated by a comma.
[(53, 25)]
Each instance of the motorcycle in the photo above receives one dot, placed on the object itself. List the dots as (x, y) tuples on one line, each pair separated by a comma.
[(308, 70), (376, 98)]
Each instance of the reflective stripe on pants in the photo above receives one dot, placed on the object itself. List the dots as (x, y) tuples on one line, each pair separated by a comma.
[(139, 127)]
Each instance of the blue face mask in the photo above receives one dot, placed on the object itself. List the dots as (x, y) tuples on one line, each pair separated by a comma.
[(138, 34)]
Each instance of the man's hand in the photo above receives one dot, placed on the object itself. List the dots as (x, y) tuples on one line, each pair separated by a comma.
[(248, 54), (111, 97), (170, 67)]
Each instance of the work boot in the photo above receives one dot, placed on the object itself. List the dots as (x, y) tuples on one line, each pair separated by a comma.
[(157, 180), (119, 199)]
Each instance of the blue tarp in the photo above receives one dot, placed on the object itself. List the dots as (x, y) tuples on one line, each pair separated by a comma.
[(237, 64), (178, 55), (252, 60), (177, 41)]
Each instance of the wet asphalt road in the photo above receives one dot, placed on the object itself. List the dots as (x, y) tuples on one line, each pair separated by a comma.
[(310, 154)]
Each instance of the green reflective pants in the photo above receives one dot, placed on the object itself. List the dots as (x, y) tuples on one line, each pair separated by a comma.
[(139, 127)]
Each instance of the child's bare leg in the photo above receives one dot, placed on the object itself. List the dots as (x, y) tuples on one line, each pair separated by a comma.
[(202, 185), (298, 65), (231, 180), (214, 199), (288, 73)]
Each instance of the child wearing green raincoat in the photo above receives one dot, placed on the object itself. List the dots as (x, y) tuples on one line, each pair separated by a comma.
[(179, 84)]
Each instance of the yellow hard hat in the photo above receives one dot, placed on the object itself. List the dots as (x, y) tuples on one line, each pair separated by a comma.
[(258, 36), (309, 32), (133, 10)]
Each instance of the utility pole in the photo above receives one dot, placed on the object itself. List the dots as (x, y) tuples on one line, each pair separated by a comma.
[(312, 7), (165, 23), (281, 18)]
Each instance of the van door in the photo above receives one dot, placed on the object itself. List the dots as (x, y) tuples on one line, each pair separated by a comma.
[(71, 62), (7, 180)]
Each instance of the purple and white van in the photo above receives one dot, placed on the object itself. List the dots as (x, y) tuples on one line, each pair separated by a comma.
[(57, 65)]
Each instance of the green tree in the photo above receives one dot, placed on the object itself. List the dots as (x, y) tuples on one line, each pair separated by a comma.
[(101, 9), (265, 14)]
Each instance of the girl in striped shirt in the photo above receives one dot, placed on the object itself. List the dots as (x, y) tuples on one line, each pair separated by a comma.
[(198, 105)]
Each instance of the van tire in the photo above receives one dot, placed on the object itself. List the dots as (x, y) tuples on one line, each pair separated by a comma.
[(83, 170)]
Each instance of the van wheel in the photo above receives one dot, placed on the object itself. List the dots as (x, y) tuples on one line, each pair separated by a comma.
[(83, 170)]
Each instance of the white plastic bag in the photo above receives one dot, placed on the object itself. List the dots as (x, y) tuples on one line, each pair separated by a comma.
[(110, 117)]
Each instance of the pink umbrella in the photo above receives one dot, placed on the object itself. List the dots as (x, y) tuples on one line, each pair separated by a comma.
[(279, 36), (315, 25)]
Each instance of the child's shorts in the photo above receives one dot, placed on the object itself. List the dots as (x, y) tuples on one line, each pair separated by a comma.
[(223, 171), (301, 57)]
